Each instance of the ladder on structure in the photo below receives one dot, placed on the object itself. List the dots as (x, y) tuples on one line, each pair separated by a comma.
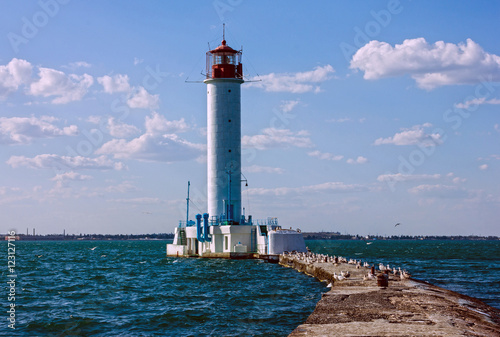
[(182, 236), (253, 238)]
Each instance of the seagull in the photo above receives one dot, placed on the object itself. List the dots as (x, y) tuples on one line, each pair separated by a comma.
[(93, 248), (397, 224)]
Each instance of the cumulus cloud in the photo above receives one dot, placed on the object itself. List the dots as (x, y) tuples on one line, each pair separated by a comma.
[(123, 187), (117, 83), (339, 120), (43, 161), (78, 64), (359, 160), (272, 138), (137, 97), (391, 177), (16, 73), (22, 130), (477, 101), (287, 106), (439, 191), (300, 82), (325, 155), (153, 147), (66, 88), (141, 99), (118, 129), (263, 169), (158, 143), (328, 187), (483, 167), (63, 179), (141, 201), (413, 136), (159, 124), (430, 65)]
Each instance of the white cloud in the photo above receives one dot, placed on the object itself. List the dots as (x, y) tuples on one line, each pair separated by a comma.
[(263, 169), (153, 147), (158, 143), (413, 136), (64, 162), (430, 65), (359, 160), (118, 129), (340, 120), (67, 88), (117, 83), (325, 155), (293, 82), (123, 187), (63, 179), (439, 191), (141, 99), (159, 124), (16, 73), (137, 61), (483, 167), (94, 119), (141, 201), (272, 137), (406, 177), (21, 130), (287, 106), (329, 187), (78, 64), (477, 101)]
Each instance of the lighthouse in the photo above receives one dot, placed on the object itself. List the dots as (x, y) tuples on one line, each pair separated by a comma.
[(223, 231), (224, 78)]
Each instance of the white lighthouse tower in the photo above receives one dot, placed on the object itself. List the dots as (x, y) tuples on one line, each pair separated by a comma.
[(223, 232), (224, 78)]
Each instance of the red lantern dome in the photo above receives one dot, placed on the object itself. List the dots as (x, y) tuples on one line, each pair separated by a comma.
[(224, 62)]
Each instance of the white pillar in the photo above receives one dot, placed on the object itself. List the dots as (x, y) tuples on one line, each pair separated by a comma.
[(224, 144)]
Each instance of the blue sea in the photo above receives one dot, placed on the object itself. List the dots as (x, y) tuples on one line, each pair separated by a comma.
[(129, 288)]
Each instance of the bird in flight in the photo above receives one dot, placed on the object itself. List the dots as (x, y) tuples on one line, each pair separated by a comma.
[(397, 224)]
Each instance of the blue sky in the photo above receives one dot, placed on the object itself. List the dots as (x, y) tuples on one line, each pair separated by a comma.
[(356, 115)]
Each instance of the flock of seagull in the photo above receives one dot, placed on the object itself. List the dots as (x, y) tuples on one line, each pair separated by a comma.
[(310, 258)]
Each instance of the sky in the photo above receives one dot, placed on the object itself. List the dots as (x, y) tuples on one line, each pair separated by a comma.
[(355, 115)]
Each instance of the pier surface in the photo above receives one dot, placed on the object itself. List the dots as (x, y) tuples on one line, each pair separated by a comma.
[(357, 306)]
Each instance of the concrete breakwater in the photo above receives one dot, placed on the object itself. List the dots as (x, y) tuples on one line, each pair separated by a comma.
[(386, 303)]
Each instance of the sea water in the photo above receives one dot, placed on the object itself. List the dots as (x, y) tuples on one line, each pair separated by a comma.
[(129, 288)]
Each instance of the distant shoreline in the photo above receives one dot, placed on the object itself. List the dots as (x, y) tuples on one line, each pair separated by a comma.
[(306, 235)]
